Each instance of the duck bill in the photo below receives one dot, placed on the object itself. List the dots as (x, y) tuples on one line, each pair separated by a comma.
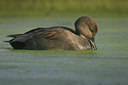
[(92, 43)]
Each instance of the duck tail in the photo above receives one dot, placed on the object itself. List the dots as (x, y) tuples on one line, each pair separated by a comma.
[(14, 35), (7, 41), (17, 42)]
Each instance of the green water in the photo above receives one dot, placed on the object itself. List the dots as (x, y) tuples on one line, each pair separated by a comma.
[(106, 66)]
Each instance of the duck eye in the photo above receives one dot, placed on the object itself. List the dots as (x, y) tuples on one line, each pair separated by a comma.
[(90, 29), (89, 24)]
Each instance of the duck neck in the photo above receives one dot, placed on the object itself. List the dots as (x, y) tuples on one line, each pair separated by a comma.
[(90, 42)]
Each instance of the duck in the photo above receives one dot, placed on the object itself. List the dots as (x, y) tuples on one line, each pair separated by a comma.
[(58, 37)]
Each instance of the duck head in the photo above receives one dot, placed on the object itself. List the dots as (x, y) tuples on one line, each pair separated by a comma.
[(87, 28)]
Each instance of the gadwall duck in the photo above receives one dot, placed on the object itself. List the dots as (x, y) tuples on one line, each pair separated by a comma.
[(59, 37)]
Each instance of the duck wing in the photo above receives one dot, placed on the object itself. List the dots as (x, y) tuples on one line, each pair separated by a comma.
[(40, 38), (52, 39)]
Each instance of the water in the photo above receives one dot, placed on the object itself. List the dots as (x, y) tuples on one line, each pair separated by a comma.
[(106, 66)]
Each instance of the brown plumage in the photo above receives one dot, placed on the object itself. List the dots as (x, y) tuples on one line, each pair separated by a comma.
[(58, 38)]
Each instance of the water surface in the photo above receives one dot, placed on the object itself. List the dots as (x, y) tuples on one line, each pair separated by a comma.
[(106, 66)]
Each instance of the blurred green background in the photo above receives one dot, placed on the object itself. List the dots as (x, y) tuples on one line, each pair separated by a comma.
[(63, 7), (108, 65)]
